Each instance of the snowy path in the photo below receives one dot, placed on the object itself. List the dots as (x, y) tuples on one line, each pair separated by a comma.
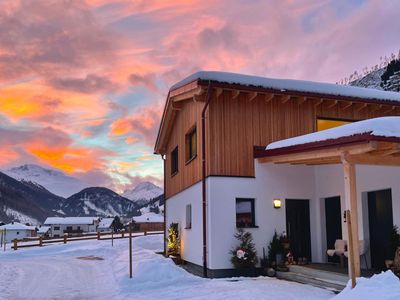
[(55, 272)]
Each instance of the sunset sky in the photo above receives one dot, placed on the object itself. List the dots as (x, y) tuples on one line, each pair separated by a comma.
[(82, 84)]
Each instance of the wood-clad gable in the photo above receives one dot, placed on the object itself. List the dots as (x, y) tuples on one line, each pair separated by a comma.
[(238, 119)]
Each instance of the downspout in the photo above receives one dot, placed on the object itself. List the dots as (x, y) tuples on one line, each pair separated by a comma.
[(204, 198), (163, 157)]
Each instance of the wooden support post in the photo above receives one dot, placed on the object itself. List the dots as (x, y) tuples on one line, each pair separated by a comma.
[(65, 238), (112, 238), (15, 244), (350, 189), (351, 247), (123, 232), (98, 235), (145, 232), (130, 250), (40, 241)]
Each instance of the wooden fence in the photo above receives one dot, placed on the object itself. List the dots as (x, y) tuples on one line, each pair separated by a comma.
[(66, 239)]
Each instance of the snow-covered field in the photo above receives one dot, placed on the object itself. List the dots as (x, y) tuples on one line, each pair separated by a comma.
[(55, 272)]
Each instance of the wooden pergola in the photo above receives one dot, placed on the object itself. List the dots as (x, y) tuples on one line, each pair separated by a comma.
[(361, 149)]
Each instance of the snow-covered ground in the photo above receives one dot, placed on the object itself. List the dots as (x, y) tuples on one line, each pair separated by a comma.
[(55, 272)]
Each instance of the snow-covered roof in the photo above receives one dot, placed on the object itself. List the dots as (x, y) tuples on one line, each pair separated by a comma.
[(16, 226), (69, 220), (43, 229), (378, 127), (286, 85), (149, 218), (106, 223)]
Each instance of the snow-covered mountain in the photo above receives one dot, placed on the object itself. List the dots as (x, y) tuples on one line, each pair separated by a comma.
[(55, 181), (99, 201), (143, 192), (372, 80)]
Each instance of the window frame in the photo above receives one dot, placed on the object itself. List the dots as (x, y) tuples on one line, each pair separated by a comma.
[(188, 216), (253, 211), (190, 149), (174, 161)]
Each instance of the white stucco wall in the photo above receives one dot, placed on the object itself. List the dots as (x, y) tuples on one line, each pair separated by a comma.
[(191, 239), (314, 183), (12, 234)]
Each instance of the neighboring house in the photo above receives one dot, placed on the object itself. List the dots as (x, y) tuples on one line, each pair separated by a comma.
[(149, 222), (72, 226), (17, 231), (105, 225), (44, 231), (219, 177)]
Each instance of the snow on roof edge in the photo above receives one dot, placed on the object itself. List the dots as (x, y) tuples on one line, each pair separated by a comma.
[(382, 127), (69, 220), (290, 85)]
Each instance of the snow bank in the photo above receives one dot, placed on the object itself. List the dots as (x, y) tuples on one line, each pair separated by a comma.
[(384, 286), (290, 85), (383, 127)]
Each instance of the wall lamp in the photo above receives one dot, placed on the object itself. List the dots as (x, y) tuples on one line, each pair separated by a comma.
[(277, 203)]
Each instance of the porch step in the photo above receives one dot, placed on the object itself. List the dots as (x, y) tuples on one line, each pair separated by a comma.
[(318, 278)]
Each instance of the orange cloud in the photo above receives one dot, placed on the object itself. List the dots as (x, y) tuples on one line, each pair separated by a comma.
[(131, 140)]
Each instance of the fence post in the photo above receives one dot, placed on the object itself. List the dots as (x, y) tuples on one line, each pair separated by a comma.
[(130, 250), (98, 235), (40, 241), (123, 233), (65, 238), (145, 232), (15, 244)]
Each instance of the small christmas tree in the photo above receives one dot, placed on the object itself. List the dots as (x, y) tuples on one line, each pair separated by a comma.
[(275, 247), (173, 241), (244, 255)]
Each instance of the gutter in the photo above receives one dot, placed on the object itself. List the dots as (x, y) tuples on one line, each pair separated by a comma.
[(165, 207), (203, 179)]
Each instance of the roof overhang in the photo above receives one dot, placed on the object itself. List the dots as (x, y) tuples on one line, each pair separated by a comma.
[(364, 149)]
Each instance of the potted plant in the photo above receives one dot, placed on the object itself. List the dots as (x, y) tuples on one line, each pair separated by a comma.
[(275, 251), (244, 256), (173, 243)]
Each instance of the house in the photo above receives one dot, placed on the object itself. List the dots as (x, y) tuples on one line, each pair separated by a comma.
[(149, 222), (105, 225), (44, 231), (224, 171), (15, 230), (72, 226)]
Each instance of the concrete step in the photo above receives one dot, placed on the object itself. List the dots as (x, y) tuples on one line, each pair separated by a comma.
[(327, 275), (318, 278)]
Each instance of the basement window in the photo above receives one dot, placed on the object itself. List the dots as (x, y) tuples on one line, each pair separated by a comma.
[(188, 216), (174, 161), (245, 216), (191, 144)]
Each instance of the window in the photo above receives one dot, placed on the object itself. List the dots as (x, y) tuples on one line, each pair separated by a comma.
[(245, 212), (191, 144), (69, 228), (56, 227), (323, 124), (188, 216), (174, 161), (17, 232)]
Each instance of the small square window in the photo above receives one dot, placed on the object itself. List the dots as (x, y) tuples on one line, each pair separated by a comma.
[(56, 227), (188, 216), (191, 144), (245, 213), (174, 161)]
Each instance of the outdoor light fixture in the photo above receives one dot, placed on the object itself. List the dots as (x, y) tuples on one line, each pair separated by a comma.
[(277, 203)]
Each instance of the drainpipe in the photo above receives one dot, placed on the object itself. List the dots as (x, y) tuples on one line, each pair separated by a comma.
[(163, 157), (204, 198)]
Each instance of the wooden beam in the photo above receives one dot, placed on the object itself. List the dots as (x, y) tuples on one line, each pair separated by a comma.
[(333, 104), (390, 109), (176, 105), (235, 94), (350, 191), (315, 155), (269, 97), (301, 100), (188, 94), (318, 102), (252, 96), (360, 107), (218, 92), (347, 105), (374, 160), (285, 98)]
